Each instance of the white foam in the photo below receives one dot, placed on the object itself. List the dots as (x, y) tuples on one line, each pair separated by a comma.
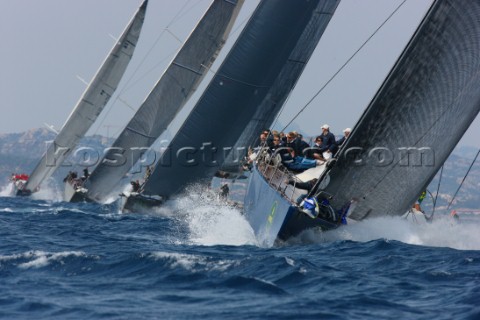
[(7, 191), (49, 190), (192, 262), (40, 259), (211, 221), (442, 232)]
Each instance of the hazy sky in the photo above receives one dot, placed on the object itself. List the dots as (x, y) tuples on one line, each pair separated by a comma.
[(48, 44)]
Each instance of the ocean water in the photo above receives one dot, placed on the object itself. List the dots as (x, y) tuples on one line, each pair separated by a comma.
[(198, 259)]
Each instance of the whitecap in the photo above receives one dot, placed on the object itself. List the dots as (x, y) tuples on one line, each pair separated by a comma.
[(442, 232), (38, 259), (192, 262), (210, 220)]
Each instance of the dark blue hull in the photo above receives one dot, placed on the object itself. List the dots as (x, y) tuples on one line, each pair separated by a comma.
[(23, 193), (272, 215), (137, 202), (80, 197)]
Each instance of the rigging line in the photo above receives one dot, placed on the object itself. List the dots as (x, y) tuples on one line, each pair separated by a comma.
[(429, 218), (277, 117), (179, 13), (472, 78), (451, 201), (173, 52), (345, 64), (436, 195), (177, 17), (128, 83)]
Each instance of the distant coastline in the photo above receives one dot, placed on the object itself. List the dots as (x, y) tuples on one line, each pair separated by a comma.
[(21, 151)]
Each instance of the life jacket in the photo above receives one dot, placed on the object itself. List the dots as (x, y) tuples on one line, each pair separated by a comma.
[(310, 207)]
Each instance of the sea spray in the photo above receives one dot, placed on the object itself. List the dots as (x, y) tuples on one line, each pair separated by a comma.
[(210, 219), (49, 190), (6, 191), (443, 231)]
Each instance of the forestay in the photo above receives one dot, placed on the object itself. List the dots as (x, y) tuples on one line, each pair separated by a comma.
[(92, 102), (423, 108), (243, 82), (169, 95)]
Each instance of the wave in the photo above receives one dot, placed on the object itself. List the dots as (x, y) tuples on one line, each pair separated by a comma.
[(48, 191), (443, 231), (191, 262), (38, 259), (210, 220)]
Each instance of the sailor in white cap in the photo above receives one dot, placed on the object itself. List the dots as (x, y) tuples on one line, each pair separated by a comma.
[(329, 145), (346, 133)]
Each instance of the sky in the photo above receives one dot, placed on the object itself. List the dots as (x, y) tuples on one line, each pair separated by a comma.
[(50, 48)]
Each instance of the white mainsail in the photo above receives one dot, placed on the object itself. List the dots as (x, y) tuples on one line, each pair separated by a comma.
[(92, 102), (172, 91)]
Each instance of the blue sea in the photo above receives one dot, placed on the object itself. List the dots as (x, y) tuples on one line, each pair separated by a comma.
[(197, 258)]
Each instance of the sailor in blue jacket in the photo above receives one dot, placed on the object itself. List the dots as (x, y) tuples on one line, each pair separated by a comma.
[(329, 144)]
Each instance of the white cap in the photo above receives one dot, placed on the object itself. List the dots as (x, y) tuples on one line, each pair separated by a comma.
[(347, 130), (326, 126)]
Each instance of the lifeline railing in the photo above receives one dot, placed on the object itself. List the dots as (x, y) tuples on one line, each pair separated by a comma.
[(271, 168)]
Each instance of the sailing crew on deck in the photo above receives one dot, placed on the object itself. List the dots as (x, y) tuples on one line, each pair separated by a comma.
[(224, 191), (280, 148), (148, 172), (346, 133), (417, 204), (135, 186), (315, 152), (86, 174), (262, 143), (252, 153), (283, 137), (329, 144), (269, 137), (294, 141), (293, 160)]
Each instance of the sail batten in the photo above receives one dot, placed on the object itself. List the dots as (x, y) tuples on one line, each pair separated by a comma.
[(187, 68), (92, 101), (256, 69), (169, 95)]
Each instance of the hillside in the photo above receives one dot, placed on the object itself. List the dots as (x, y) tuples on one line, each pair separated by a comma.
[(21, 151)]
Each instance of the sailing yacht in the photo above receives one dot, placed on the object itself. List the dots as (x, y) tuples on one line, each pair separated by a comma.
[(172, 91), (88, 108), (421, 111), (260, 70)]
